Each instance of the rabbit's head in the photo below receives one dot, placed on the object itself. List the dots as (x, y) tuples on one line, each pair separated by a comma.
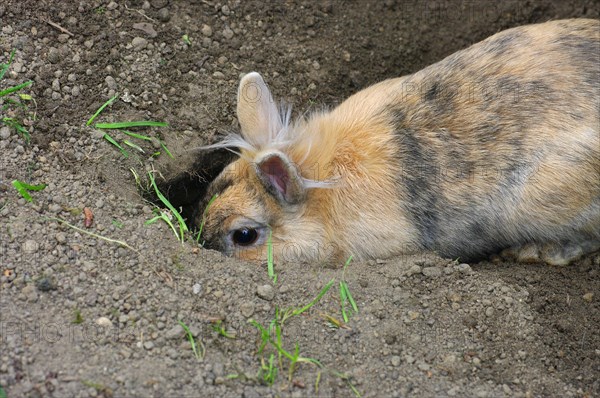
[(262, 196)]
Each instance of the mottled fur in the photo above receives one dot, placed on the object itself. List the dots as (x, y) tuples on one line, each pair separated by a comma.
[(496, 146)]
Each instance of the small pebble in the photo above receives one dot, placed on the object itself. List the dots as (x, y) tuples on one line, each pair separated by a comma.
[(45, 284), (176, 332), (265, 292), (111, 82), (164, 15), (147, 28), (4, 133), (247, 309), (413, 270), (53, 55), (432, 271), (103, 321), (228, 33), (423, 366), (30, 246), (159, 3), (197, 288), (206, 30), (139, 43), (464, 268)]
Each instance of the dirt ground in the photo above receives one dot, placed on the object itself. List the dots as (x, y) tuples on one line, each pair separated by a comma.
[(81, 316)]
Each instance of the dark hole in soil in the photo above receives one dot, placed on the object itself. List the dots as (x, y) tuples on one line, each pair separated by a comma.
[(186, 190)]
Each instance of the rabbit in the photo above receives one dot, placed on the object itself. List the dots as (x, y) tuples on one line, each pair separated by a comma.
[(494, 149)]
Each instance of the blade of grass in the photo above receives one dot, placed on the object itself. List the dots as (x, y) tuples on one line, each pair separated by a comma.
[(11, 102), (124, 125), (345, 295), (317, 383), (343, 299), (131, 144), (10, 122), (347, 262), (15, 88), (220, 329), (119, 242), (137, 178), (264, 335), (316, 299), (167, 150), (165, 218), (138, 136), (182, 225), (101, 109), (199, 354), (23, 189), (115, 143), (270, 269), (345, 378), (210, 202), (350, 299), (152, 220), (7, 65), (298, 311)]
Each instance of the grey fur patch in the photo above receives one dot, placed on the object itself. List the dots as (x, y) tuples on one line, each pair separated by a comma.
[(418, 182)]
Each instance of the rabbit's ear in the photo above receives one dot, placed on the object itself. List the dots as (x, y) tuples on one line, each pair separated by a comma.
[(280, 177), (258, 116)]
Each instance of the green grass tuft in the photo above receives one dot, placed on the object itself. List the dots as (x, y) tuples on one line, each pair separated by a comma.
[(122, 126), (271, 337), (220, 329), (78, 318), (4, 67), (346, 296), (182, 225), (198, 350), (107, 103), (18, 106)]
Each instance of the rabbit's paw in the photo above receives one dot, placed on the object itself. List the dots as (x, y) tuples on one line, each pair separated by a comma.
[(549, 253)]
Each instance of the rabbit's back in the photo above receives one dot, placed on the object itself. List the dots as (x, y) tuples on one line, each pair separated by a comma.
[(500, 145)]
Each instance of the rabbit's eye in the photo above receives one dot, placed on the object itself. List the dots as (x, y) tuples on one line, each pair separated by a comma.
[(245, 236)]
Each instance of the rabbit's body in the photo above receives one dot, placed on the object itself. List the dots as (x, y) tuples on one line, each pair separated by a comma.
[(496, 146)]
